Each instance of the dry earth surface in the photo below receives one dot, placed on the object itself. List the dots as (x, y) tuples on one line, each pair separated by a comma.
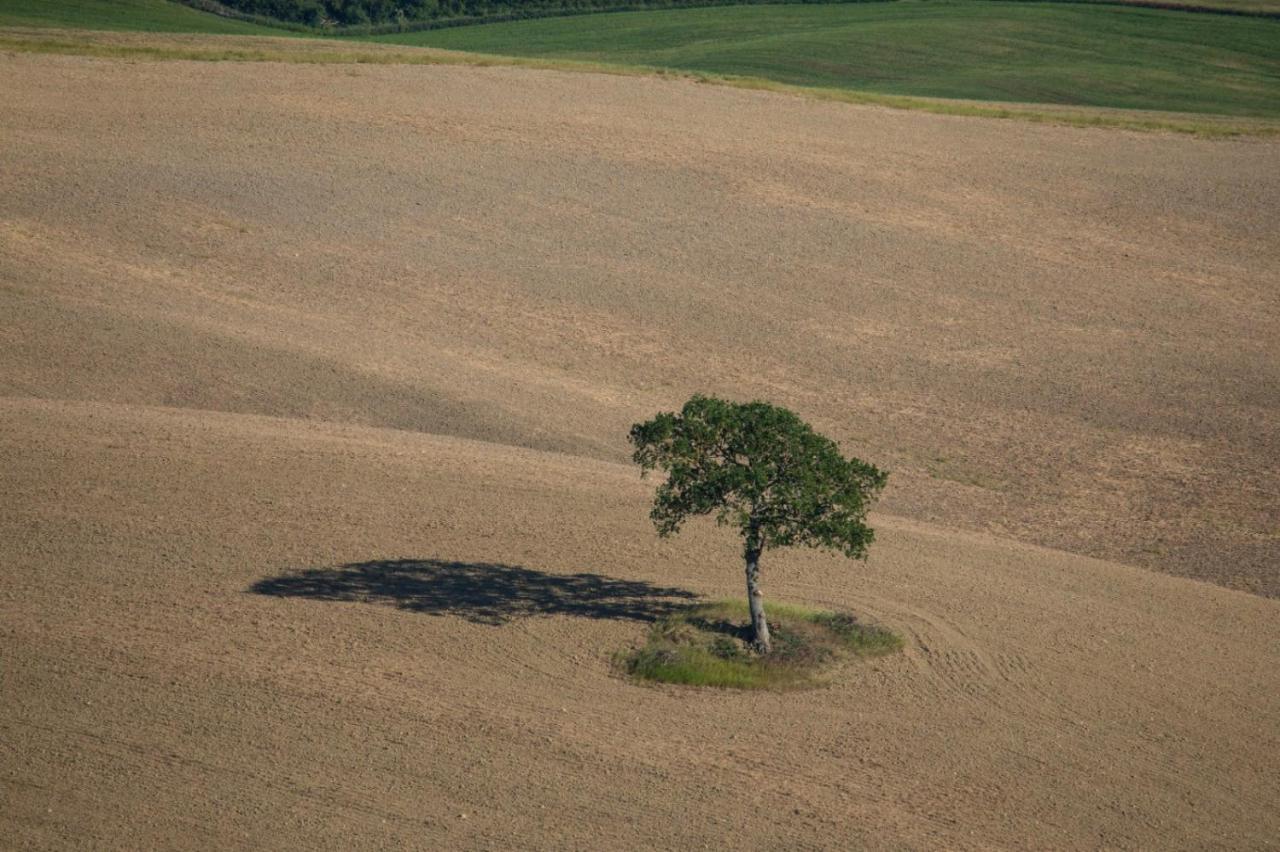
[(263, 326)]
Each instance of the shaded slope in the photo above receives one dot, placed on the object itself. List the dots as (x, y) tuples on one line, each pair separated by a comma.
[(161, 360)]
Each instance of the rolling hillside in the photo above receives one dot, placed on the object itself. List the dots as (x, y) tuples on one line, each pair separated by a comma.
[(1106, 56), (1071, 54), (317, 528)]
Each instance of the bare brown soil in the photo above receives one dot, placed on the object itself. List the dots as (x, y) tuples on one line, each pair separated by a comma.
[(266, 329)]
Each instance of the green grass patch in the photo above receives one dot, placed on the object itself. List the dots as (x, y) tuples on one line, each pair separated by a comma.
[(160, 16), (708, 645), (1120, 57)]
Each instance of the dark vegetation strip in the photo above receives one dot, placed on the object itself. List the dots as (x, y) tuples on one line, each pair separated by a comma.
[(1172, 6), (385, 17)]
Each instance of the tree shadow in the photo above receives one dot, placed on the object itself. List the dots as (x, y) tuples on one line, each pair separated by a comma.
[(481, 592)]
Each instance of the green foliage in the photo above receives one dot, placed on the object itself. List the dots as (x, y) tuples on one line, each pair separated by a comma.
[(760, 468), (317, 13), (1049, 53), (706, 646), (358, 13)]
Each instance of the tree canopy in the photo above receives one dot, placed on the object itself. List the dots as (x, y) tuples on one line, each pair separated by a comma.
[(760, 468)]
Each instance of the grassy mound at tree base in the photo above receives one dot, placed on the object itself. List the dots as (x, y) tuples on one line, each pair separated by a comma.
[(710, 645)]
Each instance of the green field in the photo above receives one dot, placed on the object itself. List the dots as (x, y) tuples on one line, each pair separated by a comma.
[(159, 16), (1038, 53), (1108, 56)]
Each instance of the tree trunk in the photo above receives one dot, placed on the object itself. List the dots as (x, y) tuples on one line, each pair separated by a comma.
[(755, 600)]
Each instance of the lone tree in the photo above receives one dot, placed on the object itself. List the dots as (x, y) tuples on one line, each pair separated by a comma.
[(760, 468)]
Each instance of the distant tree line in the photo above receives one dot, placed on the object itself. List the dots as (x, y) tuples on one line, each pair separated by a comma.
[(389, 15), (386, 16)]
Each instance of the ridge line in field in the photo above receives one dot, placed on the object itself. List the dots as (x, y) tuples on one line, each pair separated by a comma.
[(312, 426), (107, 45), (386, 438)]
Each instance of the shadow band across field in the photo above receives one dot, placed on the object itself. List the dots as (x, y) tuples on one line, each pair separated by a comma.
[(481, 592)]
